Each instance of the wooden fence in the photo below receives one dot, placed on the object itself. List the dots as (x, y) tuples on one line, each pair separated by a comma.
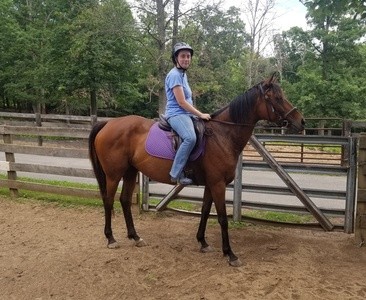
[(314, 126), (12, 167), (360, 224), (11, 133)]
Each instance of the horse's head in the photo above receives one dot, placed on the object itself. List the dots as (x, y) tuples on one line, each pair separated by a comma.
[(278, 109)]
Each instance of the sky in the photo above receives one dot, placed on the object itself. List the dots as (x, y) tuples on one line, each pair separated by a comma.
[(289, 13)]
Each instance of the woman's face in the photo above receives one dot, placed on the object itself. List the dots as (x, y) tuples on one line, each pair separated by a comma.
[(184, 59)]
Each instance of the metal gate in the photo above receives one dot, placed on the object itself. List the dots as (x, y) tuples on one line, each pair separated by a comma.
[(346, 168)]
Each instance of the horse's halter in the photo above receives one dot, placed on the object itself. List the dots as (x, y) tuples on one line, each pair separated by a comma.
[(282, 117)]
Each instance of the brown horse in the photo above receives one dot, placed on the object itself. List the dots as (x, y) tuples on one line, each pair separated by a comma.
[(117, 151)]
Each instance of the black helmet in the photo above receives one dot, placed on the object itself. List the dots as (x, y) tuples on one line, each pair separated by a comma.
[(178, 47)]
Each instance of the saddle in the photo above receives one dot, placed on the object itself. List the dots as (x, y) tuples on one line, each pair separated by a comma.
[(199, 128)]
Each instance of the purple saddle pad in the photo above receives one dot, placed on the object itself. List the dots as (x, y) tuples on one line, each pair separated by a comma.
[(159, 143)]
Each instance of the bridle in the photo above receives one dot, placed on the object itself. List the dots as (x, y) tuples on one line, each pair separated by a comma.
[(282, 119)]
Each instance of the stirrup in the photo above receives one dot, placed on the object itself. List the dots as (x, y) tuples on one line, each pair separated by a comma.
[(182, 181), (185, 181)]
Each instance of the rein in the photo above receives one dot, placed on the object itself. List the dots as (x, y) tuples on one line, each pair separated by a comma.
[(232, 123)]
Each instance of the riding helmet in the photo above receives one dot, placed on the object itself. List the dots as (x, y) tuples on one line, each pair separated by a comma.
[(178, 47)]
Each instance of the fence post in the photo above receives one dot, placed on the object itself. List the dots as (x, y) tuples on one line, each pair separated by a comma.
[(238, 189), (93, 120), (321, 127), (143, 192), (360, 224), (346, 127), (39, 124), (351, 185), (347, 132), (9, 157)]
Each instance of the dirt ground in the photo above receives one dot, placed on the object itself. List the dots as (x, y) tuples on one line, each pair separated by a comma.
[(52, 252)]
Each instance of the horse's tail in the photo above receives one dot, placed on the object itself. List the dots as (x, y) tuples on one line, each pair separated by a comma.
[(98, 170)]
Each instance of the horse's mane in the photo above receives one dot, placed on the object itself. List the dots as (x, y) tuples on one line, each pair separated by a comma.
[(241, 107)]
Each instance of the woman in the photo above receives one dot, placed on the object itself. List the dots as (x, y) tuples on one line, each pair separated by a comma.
[(179, 109)]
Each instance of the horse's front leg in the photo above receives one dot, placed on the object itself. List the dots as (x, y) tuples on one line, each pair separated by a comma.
[(205, 213), (218, 194)]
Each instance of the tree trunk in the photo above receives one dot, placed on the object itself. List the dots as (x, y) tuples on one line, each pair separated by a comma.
[(161, 48), (175, 21), (93, 102)]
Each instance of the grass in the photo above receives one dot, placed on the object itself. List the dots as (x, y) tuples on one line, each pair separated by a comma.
[(179, 204), (326, 148), (61, 200), (257, 214), (332, 149), (279, 216), (73, 201)]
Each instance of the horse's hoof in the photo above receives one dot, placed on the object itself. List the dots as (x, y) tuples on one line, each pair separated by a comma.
[(235, 263), (113, 245), (140, 243), (207, 249)]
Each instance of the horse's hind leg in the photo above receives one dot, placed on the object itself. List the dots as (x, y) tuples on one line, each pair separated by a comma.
[(205, 213), (108, 201), (129, 183)]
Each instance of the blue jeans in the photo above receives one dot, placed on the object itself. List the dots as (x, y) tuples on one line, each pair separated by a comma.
[(183, 125)]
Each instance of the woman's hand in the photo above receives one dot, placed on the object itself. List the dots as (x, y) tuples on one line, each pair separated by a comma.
[(205, 116)]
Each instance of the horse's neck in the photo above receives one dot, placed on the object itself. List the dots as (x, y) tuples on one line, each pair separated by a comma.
[(235, 135)]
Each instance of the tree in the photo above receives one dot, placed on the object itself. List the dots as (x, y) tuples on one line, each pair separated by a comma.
[(337, 26), (259, 19), (220, 42), (329, 77), (62, 55), (102, 50), (9, 32)]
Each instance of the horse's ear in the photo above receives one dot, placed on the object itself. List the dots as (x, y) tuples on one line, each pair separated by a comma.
[(275, 77)]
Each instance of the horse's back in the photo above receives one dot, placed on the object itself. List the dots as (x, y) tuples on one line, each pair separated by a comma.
[(120, 144), (131, 123), (127, 127)]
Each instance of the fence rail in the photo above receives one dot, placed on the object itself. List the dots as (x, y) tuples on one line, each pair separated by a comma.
[(12, 167), (314, 126), (335, 165), (360, 224)]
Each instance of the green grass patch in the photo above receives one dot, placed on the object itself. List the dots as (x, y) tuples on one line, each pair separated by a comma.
[(55, 182), (72, 201), (178, 204), (333, 149), (279, 216), (62, 200), (258, 214)]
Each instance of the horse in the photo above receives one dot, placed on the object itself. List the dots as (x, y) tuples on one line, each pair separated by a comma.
[(116, 151)]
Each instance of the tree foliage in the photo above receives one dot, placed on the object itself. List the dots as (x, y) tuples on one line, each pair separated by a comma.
[(324, 66), (110, 56)]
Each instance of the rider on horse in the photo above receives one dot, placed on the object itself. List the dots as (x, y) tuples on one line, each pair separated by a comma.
[(179, 109)]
